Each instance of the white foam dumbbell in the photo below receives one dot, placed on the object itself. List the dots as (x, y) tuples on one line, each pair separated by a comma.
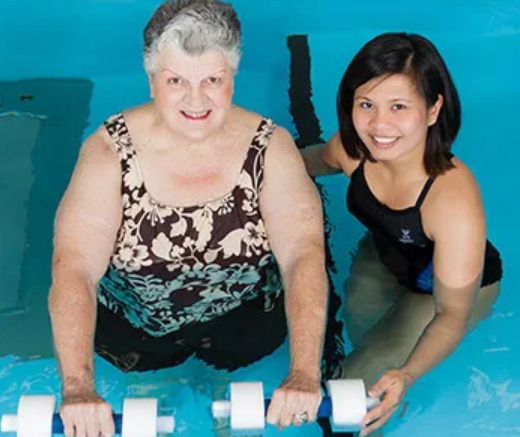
[(349, 404), (246, 408), (36, 418), (346, 406)]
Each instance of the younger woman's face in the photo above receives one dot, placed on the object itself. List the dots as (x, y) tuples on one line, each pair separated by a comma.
[(391, 117)]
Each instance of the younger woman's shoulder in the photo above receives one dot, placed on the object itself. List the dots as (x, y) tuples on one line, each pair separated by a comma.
[(456, 187), (460, 177)]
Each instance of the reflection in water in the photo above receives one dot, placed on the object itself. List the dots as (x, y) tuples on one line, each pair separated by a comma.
[(482, 390)]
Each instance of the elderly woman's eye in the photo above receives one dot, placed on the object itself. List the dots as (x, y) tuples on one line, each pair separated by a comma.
[(174, 81), (213, 80)]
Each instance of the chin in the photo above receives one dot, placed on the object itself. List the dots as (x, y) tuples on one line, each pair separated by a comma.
[(385, 155)]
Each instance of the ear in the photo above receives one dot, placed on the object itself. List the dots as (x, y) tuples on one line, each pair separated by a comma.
[(434, 110), (151, 85)]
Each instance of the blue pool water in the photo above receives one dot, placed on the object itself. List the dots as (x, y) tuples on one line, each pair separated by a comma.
[(66, 65)]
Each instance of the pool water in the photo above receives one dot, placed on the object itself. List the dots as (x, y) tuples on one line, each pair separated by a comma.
[(68, 65)]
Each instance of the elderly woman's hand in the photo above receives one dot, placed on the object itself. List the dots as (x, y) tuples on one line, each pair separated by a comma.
[(296, 401), (86, 414), (391, 387)]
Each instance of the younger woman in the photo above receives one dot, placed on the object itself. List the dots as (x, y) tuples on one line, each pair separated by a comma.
[(425, 272)]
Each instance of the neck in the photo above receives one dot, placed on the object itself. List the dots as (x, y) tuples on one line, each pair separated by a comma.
[(409, 166)]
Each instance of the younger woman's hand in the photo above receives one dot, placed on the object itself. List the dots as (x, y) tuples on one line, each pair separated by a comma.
[(390, 388)]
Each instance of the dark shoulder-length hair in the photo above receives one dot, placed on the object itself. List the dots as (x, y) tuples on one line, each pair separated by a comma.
[(416, 57)]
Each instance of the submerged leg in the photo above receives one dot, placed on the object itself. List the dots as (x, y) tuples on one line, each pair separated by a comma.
[(371, 291), (390, 342)]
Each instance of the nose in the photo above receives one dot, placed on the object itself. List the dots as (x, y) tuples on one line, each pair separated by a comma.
[(380, 119), (194, 96)]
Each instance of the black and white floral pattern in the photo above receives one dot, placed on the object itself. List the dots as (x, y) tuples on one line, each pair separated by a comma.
[(172, 266)]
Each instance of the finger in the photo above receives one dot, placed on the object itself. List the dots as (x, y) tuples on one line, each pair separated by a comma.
[(387, 405), (106, 421), (307, 403), (380, 387), (374, 425), (314, 401), (298, 403), (375, 413), (92, 426), (274, 410), (68, 428), (296, 421), (79, 428), (288, 410)]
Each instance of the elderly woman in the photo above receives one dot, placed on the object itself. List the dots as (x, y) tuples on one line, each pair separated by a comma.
[(174, 234)]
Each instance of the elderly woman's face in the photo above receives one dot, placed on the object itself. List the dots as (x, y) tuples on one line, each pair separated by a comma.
[(193, 93)]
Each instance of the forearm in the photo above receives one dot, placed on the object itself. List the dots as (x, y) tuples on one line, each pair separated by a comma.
[(453, 308), (306, 308), (314, 162), (72, 307), (438, 340)]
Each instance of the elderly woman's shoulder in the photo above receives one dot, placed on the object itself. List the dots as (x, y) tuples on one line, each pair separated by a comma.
[(99, 144), (251, 121), (245, 118)]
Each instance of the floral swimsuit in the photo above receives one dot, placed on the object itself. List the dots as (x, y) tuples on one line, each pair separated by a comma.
[(178, 275)]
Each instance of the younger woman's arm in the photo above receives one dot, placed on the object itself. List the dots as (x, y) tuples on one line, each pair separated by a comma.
[(453, 218), (329, 158)]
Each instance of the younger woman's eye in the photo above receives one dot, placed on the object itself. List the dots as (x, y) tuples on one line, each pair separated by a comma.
[(365, 105), (399, 106)]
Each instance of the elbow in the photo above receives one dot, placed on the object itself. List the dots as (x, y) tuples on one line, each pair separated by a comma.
[(70, 283), (310, 258), (455, 323)]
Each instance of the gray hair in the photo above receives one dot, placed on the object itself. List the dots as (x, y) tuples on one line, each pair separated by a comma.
[(194, 26)]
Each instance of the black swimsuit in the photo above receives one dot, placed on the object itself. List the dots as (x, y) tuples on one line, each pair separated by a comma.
[(400, 240)]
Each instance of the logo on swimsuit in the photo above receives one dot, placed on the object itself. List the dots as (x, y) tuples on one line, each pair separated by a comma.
[(405, 236)]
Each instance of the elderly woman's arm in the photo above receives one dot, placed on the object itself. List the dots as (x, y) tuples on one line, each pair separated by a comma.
[(85, 231), (292, 212)]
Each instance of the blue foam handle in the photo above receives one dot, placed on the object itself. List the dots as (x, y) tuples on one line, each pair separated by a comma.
[(324, 410), (57, 424)]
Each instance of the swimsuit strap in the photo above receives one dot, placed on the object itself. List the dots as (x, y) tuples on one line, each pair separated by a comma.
[(424, 191)]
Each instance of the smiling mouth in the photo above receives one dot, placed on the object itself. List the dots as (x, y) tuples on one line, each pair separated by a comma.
[(384, 142), (196, 116)]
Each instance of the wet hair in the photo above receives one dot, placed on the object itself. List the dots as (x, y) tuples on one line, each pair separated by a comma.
[(417, 58), (194, 26)]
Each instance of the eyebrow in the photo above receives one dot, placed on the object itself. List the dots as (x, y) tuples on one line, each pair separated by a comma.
[(397, 99), (222, 70)]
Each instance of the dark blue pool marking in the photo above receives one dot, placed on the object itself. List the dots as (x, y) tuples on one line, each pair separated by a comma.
[(300, 92)]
